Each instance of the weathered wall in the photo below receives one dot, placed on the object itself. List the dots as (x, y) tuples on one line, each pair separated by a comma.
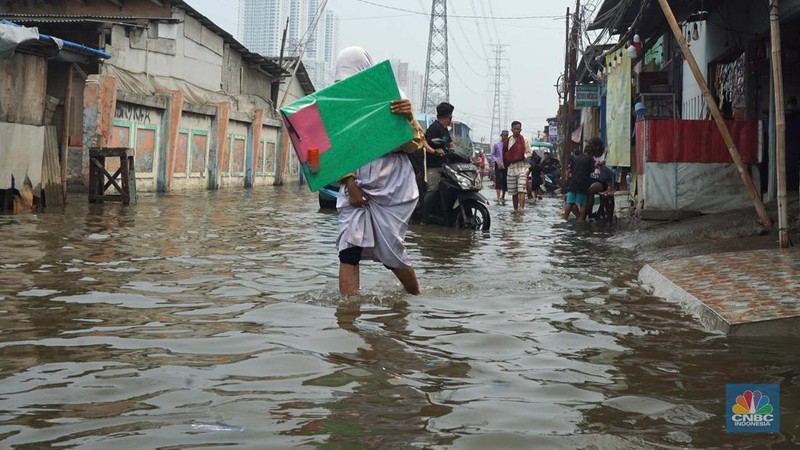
[(232, 155), (232, 72), (23, 88), (202, 53), (184, 51), (140, 127), (191, 159), (255, 83), (264, 158)]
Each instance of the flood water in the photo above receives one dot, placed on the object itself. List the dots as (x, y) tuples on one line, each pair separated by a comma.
[(213, 320)]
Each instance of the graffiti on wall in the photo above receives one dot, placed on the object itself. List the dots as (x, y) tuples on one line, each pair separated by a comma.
[(133, 113)]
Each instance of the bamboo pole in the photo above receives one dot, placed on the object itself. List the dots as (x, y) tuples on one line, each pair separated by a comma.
[(65, 134), (715, 112), (564, 114), (780, 123)]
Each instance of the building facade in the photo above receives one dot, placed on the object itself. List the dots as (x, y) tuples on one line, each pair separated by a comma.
[(195, 105), (658, 123)]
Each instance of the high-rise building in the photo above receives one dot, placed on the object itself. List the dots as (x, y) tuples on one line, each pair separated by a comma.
[(299, 22), (330, 44), (410, 82), (261, 25)]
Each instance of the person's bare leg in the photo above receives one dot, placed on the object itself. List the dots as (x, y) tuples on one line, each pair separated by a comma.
[(348, 279), (567, 209), (582, 215), (521, 196), (515, 200), (408, 278)]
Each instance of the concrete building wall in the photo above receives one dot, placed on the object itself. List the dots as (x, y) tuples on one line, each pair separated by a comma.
[(254, 83), (232, 155), (265, 157), (186, 51), (232, 72), (140, 127), (190, 169)]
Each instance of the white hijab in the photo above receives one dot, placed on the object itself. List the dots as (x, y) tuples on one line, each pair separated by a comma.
[(350, 61)]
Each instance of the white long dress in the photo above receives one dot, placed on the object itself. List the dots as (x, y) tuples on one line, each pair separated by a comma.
[(380, 226)]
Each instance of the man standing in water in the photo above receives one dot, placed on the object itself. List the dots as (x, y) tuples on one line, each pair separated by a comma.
[(515, 150), (499, 169)]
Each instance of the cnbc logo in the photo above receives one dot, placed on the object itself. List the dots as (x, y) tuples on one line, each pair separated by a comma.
[(752, 408)]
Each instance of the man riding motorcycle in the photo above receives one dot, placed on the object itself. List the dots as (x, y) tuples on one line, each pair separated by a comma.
[(438, 138), (453, 182), (551, 168)]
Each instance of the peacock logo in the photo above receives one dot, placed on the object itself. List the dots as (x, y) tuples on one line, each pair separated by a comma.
[(752, 408), (752, 402)]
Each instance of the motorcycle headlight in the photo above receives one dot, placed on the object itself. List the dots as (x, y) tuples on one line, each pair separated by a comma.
[(463, 181)]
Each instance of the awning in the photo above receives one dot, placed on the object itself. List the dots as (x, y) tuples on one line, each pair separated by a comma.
[(14, 37)]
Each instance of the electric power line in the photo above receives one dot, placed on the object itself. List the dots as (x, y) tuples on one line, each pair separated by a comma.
[(459, 17)]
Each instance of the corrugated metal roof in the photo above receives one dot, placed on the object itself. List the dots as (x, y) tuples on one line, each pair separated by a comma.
[(57, 18)]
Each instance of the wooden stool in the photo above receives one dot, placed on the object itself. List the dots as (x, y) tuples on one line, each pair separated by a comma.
[(100, 179)]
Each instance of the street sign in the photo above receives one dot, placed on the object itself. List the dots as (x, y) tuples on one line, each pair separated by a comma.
[(552, 132), (587, 95)]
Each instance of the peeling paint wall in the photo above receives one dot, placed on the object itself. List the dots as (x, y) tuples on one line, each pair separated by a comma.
[(232, 155), (191, 160)]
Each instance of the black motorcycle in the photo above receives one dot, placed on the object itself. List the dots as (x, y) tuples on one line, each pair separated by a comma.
[(552, 176), (458, 202)]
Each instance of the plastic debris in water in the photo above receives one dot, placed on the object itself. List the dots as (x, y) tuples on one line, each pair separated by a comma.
[(215, 426)]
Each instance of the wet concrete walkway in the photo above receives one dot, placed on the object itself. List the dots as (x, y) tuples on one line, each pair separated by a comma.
[(748, 293)]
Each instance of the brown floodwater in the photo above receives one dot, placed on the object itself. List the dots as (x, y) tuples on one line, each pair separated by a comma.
[(212, 320)]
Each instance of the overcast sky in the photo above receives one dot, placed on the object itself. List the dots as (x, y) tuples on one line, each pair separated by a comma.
[(532, 32)]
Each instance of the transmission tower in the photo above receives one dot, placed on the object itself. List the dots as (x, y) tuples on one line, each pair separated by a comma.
[(497, 123), (437, 75)]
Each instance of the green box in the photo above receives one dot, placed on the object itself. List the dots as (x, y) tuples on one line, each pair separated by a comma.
[(350, 122)]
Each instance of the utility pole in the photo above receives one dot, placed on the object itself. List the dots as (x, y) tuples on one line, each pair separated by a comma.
[(563, 107), (498, 77), (437, 74), (570, 91)]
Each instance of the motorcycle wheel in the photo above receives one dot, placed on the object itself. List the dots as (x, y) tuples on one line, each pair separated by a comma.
[(475, 217)]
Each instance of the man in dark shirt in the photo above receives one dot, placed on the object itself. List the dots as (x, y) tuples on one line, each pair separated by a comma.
[(438, 130), (435, 155)]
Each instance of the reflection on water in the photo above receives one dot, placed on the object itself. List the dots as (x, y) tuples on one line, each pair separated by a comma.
[(213, 319)]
